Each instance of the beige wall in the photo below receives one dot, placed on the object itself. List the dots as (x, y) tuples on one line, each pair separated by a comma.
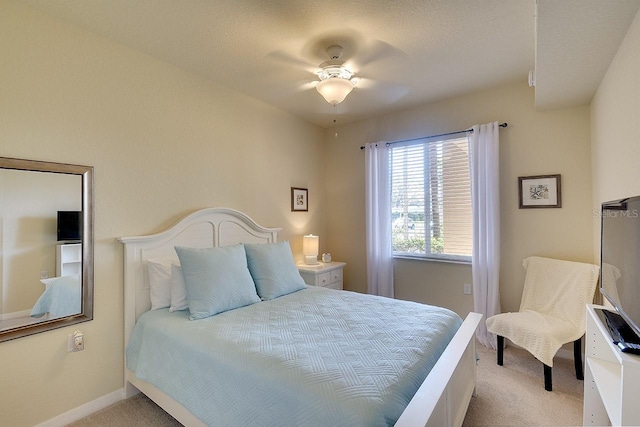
[(615, 128), (163, 142), (535, 143)]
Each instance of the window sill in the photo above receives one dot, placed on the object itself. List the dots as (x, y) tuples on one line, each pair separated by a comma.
[(432, 259)]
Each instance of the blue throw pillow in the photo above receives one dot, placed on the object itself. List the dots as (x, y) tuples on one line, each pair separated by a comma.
[(273, 270), (217, 279)]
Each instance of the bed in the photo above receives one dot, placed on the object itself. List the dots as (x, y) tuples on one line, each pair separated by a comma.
[(61, 297), (247, 359)]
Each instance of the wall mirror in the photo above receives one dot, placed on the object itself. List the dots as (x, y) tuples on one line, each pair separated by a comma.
[(46, 246)]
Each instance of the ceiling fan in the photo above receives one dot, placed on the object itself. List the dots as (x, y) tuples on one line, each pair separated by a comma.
[(345, 54)]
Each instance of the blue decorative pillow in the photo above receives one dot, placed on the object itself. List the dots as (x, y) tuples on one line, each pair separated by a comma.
[(273, 270), (217, 279)]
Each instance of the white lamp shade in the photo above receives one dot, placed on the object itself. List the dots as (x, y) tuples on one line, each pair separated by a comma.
[(310, 249), (334, 89), (310, 245)]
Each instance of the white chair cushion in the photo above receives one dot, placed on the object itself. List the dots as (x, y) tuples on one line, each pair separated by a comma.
[(540, 334)]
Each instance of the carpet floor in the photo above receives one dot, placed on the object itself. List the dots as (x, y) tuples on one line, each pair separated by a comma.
[(514, 394), (509, 395)]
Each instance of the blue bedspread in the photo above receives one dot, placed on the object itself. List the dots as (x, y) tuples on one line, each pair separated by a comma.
[(63, 297), (317, 357)]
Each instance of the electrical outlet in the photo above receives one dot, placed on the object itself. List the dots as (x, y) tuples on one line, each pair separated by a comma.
[(78, 341), (467, 289), (44, 274), (75, 342)]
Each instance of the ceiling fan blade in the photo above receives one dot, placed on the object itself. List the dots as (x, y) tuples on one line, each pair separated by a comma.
[(364, 83), (377, 50), (385, 92), (290, 60), (294, 89)]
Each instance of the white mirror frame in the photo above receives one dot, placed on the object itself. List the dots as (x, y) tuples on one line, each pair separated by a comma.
[(86, 314)]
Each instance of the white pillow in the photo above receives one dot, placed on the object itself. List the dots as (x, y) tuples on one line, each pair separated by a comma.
[(179, 299), (159, 270)]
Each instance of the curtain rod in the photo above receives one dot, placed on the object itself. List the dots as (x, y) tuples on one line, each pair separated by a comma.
[(502, 125)]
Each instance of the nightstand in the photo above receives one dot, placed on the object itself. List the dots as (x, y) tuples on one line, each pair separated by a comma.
[(325, 274)]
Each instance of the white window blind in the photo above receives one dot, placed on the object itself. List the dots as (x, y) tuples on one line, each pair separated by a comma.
[(431, 199)]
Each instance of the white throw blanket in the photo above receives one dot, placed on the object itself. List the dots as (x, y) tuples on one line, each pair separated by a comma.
[(552, 310)]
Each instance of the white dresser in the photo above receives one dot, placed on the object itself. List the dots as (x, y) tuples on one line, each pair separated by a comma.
[(325, 274)]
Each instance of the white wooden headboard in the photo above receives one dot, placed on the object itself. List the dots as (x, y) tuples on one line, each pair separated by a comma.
[(202, 229)]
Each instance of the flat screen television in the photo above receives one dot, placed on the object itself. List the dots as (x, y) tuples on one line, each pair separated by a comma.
[(69, 226), (620, 265)]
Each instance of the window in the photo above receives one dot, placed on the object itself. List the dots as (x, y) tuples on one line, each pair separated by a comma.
[(431, 199)]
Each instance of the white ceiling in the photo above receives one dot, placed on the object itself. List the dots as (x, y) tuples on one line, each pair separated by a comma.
[(575, 43), (405, 52)]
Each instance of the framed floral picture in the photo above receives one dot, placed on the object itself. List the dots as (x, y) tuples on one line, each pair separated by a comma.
[(542, 191), (299, 199)]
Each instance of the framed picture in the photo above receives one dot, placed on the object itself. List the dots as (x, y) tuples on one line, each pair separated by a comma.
[(541, 191), (299, 199)]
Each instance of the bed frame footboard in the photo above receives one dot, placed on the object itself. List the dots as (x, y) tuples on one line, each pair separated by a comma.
[(444, 396)]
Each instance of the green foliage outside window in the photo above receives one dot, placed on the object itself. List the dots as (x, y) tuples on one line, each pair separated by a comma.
[(402, 242)]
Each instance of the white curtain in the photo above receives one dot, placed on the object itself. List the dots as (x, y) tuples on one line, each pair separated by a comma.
[(378, 220), (485, 196)]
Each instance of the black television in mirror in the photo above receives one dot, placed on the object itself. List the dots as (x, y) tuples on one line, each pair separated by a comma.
[(69, 226), (620, 268)]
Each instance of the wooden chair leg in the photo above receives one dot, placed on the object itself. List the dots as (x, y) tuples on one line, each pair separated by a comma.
[(577, 358), (547, 377), (500, 349)]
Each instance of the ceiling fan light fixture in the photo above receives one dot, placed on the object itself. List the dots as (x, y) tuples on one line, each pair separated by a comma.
[(335, 89)]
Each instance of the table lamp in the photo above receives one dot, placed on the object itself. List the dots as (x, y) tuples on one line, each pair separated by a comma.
[(310, 245)]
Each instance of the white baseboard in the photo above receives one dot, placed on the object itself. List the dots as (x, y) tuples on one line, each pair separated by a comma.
[(84, 410)]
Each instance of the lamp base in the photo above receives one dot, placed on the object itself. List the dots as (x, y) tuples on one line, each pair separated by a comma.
[(311, 260)]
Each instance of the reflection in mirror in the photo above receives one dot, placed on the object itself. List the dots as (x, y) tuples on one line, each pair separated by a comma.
[(46, 244)]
